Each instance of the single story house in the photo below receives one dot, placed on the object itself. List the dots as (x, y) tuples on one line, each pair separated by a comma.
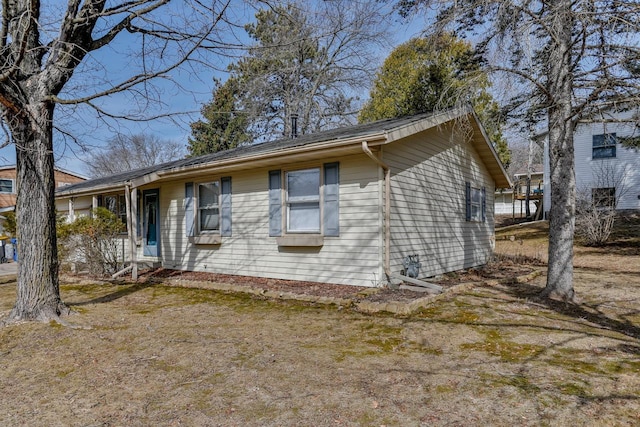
[(345, 206)]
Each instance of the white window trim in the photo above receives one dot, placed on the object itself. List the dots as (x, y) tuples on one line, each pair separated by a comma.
[(197, 208), (286, 203), (605, 146), (13, 186), (477, 192)]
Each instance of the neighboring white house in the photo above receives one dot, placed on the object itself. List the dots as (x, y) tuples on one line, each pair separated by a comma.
[(512, 201), (604, 168), (344, 206)]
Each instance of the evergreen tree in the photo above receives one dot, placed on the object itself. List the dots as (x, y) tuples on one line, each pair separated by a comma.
[(222, 127), (431, 73)]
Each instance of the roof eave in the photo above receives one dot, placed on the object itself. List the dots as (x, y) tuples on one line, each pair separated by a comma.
[(490, 157), (324, 149)]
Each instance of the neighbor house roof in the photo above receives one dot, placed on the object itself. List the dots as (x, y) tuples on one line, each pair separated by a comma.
[(68, 172), (327, 143)]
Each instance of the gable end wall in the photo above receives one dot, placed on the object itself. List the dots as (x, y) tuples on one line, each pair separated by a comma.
[(429, 171)]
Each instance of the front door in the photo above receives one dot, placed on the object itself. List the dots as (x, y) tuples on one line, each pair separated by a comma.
[(151, 222)]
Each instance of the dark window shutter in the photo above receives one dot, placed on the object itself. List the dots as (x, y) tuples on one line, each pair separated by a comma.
[(467, 199), (484, 204), (275, 203), (225, 206), (188, 210), (331, 209)]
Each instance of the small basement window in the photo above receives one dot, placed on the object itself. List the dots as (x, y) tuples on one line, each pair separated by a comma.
[(604, 197)]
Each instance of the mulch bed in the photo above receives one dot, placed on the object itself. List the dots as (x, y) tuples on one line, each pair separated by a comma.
[(493, 271), (307, 288)]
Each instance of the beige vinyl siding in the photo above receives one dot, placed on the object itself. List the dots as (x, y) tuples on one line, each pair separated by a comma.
[(352, 258), (429, 171)]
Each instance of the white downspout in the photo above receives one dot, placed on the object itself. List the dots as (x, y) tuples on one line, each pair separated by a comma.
[(387, 208)]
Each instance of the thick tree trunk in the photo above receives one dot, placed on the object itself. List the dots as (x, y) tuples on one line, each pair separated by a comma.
[(38, 296), (562, 212), (561, 157)]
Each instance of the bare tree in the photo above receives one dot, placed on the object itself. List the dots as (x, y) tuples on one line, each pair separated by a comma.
[(308, 60), (47, 53), (132, 152), (570, 60), (522, 155)]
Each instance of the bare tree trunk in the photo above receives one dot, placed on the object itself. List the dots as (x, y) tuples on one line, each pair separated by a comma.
[(38, 295), (561, 157)]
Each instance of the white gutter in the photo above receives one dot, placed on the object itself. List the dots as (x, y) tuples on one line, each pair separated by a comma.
[(387, 208), (315, 147)]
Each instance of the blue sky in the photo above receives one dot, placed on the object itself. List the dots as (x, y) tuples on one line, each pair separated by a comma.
[(186, 94)]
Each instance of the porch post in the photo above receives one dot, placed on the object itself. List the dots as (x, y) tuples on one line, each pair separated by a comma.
[(131, 197), (72, 216)]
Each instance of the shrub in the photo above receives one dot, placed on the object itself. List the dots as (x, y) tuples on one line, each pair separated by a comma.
[(92, 241), (594, 220)]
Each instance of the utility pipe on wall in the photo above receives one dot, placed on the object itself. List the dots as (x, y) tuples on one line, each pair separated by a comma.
[(387, 207)]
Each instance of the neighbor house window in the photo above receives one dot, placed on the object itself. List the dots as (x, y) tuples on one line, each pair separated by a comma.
[(604, 197), (475, 201), (303, 201), (604, 146), (6, 186), (209, 206)]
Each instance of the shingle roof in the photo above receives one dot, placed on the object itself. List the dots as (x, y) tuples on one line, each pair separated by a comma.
[(248, 150), (283, 144)]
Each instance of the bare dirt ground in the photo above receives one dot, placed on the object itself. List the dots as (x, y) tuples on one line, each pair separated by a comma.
[(147, 354)]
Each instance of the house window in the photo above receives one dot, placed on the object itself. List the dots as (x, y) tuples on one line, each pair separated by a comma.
[(117, 205), (207, 210), (122, 208), (303, 201), (209, 206), (111, 204), (6, 186), (476, 204), (475, 201), (604, 197), (604, 146)]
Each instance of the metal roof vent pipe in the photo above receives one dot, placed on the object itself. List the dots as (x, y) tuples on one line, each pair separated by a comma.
[(294, 126)]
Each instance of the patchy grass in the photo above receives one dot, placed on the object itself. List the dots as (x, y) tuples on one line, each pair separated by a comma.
[(146, 354)]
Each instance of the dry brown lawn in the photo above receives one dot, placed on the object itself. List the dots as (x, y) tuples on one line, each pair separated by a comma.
[(154, 355)]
